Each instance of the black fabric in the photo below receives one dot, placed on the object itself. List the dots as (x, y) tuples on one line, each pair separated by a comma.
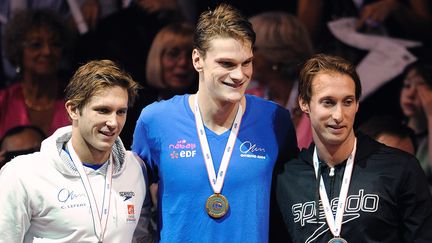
[(388, 198)]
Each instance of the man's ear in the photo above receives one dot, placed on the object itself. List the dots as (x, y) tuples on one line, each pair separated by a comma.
[(304, 106), (197, 60), (71, 110)]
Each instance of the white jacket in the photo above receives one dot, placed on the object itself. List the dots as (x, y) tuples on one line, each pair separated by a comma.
[(42, 198)]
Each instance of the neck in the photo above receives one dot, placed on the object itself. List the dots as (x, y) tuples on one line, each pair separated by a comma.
[(37, 86), (335, 154), (217, 116), (89, 155)]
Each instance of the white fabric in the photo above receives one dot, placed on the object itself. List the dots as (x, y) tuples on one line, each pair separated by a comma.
[(42, 198)]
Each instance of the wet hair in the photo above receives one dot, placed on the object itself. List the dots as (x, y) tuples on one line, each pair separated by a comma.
[(223, 22), (95, 76), (25, 21), (322, 63)]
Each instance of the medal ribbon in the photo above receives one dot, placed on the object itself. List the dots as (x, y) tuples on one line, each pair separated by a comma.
[(99, 222), (216, 183), (335, 224)]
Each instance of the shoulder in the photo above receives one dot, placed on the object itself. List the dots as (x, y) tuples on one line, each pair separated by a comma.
[(23, 167), (166, 105), (372, 154), (262, 107)]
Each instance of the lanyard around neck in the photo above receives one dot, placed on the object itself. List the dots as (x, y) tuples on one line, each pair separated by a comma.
[(216, 183), (99, 221), (335, 224)]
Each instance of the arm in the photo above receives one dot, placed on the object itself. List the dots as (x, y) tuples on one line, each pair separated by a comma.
[(412, 18), (144, 231), (425, 94), (414, 204), (15, 212)]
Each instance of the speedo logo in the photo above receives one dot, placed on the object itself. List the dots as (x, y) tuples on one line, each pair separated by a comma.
[(306, 212), (127, 195), (355, 204)]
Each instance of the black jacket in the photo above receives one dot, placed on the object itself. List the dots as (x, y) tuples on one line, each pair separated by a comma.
[(388, 198)]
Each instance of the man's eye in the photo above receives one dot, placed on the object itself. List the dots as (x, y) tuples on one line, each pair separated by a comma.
[(348, 102), (226, 64), (327, 102), (102, 110), (247, 63), (122, 112)]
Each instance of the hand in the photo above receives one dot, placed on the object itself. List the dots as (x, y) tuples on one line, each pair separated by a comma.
[(374, 14), (90, 11), (425, 94)]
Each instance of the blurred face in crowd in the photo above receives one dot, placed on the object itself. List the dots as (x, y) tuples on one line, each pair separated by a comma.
[(332, 108), (404, 144), (177, 69), (225, 70), (409, 98), (42, 52)]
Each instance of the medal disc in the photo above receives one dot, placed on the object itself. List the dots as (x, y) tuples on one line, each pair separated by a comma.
[(217, 206), (338, 240)]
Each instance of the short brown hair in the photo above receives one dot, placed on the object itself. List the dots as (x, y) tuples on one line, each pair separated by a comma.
[(322, 63), (94, 76), (224, 21)]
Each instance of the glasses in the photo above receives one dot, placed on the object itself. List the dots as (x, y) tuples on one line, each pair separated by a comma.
[(36, 45)]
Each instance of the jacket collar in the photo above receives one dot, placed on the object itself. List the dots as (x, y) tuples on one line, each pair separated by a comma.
[(365, 147)]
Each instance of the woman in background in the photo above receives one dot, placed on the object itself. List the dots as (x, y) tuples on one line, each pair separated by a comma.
[(34, 43)]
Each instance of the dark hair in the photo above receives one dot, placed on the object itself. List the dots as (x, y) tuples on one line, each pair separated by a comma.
[(424, 69), (18, 129), (385, 124)]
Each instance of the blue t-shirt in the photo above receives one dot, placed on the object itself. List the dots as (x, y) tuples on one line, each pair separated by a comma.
[(166, 138)]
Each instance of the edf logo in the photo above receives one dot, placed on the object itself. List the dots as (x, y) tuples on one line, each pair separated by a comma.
[(187, 153)]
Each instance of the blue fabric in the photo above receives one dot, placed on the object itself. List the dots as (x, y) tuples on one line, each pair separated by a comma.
[(166, 138)]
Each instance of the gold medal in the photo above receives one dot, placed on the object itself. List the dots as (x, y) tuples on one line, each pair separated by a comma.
[(217, 206), (338, 240)]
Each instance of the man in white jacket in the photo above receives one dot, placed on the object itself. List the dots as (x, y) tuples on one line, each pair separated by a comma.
[(83, 186)]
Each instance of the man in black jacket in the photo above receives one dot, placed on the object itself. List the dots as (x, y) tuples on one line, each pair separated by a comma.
[(346, 187)]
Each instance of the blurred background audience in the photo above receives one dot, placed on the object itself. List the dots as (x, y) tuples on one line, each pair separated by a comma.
[(282, 44), (44, 42), (35, 42), (20, 140)]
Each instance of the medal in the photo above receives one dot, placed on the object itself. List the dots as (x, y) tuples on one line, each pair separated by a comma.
[(217, 206), (338, 240)]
